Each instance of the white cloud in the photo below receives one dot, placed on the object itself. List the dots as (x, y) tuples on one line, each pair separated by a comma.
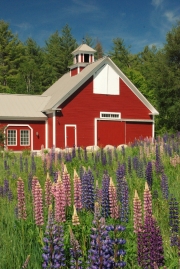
[(157, 3), (24, 26), (171, 16)]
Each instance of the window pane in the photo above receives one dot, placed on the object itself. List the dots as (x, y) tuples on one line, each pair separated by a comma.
[(11, 139), (24, 137)]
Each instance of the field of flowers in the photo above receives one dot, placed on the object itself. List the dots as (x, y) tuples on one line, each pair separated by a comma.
[(101, 209)]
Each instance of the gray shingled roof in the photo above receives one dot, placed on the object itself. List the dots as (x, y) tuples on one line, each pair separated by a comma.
[(67, 85), (84, 48), (22, 106)]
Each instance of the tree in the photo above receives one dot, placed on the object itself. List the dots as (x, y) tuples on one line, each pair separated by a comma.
[(10, 57), (168, 82), (99, 50)]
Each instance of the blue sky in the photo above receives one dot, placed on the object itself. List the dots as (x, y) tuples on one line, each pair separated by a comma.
[(138, 22)]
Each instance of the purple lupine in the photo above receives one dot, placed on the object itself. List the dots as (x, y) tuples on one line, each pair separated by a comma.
[(53, 250), (6, 187), (79, 153), (129, 166), (67, 186), (26, 165), (150, 245), (164, 186), (33, 164), (158, 163), (75, 252), (149, 175), (21, 199), (30, 177), (73, 152), (137, 213), (109, 153), (77, 191), (88, 191), (85, 154), (105, 196), (98, 193), (113, 201), (174, 220), (100, 251), (120, 173)]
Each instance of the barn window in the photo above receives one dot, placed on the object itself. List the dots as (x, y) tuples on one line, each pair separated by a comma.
[(24, 138), (12, 138), (110, 115)]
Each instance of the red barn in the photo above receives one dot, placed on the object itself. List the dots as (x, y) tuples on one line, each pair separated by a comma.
[(93, 104)]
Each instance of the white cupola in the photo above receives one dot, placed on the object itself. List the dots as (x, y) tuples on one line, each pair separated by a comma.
[(83, 55)]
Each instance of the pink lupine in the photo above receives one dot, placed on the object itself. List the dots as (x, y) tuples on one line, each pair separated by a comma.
[(21, 199), (48, 193), (53, 189), (34, 181), (147, 202), (77, 191), (75, 218), (67, 186), (60, 205), (137, 210), (113, 201), (38, 205)]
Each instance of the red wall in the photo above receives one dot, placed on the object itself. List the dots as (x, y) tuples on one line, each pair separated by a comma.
[(38, 126), (136, 130), (83, 106), (74, 72)]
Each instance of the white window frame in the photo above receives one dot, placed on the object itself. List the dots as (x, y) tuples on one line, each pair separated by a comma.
[(9, 144), (110, 115), (28, 131)]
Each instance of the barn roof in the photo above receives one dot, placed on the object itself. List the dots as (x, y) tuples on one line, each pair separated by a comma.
[(83, 48), (22, 106), (67, 85)]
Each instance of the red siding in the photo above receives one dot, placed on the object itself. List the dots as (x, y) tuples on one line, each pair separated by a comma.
[(81, 68), (110, 132), (38, 126), (84, 106), (74, 72), (136, 130)]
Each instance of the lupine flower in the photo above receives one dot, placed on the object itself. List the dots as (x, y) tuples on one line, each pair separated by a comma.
[(75, 218), (33, 164), (124, 208), (164, 186), (150, 245), (30, 177), (48, 193), (77, 191), (129, 166), (137, 210), (147, 202), (60, 203), (98, 193), (149, 175), (67, 186), (21, 199), (53, 250), (87, 191), (105, 196), (113, 202), (174, 220), (38, 205), (6, 187), (75, 252)]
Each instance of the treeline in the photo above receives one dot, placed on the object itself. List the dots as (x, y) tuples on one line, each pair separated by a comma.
[(27, 68)]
